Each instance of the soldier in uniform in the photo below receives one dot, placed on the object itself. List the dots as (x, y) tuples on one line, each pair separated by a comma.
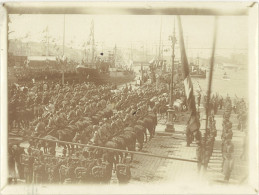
[(38, 169), (228, 165), (199, 149), (212, 135), (226, 135), (18, 151), (127, 119), (11, 163), (206, 153), (199, 99), (208, 149), (41, 127), (28, 168), (123, 172), (189, 137), (189, 131)]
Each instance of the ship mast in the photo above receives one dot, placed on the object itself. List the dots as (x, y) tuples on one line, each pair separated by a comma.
[(47, 41), (159, 49), (198, 61), (63, 52), (64, 26), (92, 40), (131, 52), (131, 55), (114, 57)]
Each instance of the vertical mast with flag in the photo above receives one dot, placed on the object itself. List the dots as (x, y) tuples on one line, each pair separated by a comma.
[(193, 123), (63, 52), (160, 40), (115, 55), (92, 41), (210, 76), (171, 112)]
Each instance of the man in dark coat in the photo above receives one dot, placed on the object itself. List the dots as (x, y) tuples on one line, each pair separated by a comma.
[(18, 151), (228, 162), (28, 167)]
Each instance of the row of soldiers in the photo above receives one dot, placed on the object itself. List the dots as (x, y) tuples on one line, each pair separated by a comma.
[(241, 110), (116, 121), (84, 166), (205, 144), (226, 137)]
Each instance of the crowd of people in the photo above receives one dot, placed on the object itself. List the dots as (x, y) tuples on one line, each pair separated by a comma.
[(99, 115), (27, 75), (241, 110), (81, 113), (205, 142), (227, 145)]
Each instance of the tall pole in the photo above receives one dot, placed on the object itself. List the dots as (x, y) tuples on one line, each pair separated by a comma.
[(64, 26), (131, 52), (92, 36), (210, 76), (170, 122), (209, 92), (115, 53), (48, 42), (159, 50), (63, 53), (187, 48), (146, 52)]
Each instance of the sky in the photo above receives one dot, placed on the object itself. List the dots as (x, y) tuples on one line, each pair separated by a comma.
[(138, 31)]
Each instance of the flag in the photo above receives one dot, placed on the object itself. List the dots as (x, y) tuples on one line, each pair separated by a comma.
[(193, 122)]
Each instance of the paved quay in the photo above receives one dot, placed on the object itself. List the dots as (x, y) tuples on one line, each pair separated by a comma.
[(145, 169), (150, 169)]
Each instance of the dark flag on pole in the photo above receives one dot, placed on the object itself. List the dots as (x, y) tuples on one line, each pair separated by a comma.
[(193, 123)]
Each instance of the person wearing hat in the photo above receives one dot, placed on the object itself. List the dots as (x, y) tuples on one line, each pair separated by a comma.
[(228, 161), (94, 139), (28, 167), (40, 127), (37, 101), (226, 134), (38, 170), (200, 141), (18, 151), (11, 163)]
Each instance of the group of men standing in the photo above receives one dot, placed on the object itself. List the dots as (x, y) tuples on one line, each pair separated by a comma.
[(227, 145), (69, 100), (205, 144), (205, 141)]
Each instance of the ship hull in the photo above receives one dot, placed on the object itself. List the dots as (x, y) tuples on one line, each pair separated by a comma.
[(199, 76), (117, 77), (78, 76)]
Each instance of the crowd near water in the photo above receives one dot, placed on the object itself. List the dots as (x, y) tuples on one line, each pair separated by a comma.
[(98, 115), (86, 113)]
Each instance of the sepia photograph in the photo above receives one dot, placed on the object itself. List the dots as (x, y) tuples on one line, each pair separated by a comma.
[(129, 98)]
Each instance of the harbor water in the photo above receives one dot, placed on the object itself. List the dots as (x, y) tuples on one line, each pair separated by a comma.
[(236, 84)]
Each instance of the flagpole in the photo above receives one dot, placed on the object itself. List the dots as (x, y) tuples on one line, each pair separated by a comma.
[(170, 123), (63, 74), (64, 34), (211, 73), (210, 82), (159, 54), (48, 41)]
